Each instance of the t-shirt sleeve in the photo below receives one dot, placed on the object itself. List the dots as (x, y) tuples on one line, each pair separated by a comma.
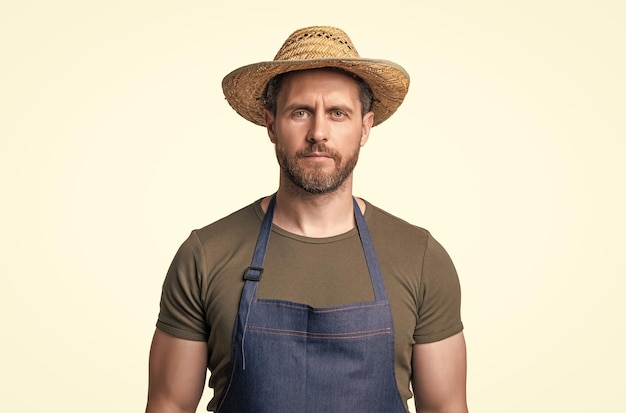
[(439, 311), (181, 313)]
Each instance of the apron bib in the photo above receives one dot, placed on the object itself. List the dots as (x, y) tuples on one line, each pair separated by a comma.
[(291, 357)]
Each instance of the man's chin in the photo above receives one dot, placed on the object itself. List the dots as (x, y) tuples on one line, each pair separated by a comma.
[(318, 185)]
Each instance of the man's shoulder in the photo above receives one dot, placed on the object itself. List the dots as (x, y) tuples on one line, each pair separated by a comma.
[(381, 219), (394, 236), (232, 225)]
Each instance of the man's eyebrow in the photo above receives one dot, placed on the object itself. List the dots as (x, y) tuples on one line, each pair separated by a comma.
[(344, 108), (296, 105)]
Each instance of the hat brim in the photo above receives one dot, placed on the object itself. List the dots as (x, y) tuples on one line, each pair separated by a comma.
[(244, 87)]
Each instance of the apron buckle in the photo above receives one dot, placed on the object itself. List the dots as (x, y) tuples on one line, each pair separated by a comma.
[(253, 273)]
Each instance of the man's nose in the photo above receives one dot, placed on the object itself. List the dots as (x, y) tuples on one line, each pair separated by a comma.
[(319, 129)]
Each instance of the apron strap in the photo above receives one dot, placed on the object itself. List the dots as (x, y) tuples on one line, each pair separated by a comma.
[(255, 270), (376, 276)]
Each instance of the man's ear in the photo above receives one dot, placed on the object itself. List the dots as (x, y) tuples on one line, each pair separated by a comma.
[(269, 124), (368, 121)]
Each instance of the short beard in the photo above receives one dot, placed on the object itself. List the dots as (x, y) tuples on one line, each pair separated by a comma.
[(313, 180)]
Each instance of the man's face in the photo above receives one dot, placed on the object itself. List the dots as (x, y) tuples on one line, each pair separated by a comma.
[(318, 129)]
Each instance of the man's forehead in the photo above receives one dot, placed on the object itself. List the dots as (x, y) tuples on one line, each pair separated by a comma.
[(294, 82)]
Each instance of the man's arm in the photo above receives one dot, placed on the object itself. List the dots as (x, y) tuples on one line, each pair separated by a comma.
[(177, 374), (439, 375)]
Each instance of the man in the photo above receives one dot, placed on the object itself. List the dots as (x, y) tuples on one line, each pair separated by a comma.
[(311, 300)]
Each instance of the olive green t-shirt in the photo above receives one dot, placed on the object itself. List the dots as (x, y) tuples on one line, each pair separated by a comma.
[(200, 297)]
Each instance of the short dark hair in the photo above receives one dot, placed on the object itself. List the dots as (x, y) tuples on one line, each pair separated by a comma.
[(270, 95)]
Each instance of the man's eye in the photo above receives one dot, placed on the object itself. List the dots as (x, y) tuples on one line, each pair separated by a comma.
[(299, 114), (338, 114)]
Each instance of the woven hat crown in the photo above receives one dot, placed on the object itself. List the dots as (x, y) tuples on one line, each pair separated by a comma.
[(317, 43)]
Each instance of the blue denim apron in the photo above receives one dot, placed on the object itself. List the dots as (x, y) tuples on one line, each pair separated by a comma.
[(291, 357)]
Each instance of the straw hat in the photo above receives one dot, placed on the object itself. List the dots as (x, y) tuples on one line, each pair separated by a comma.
[(310, 48)]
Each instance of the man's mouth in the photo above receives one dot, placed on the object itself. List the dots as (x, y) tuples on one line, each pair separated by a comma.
[(318, 155)]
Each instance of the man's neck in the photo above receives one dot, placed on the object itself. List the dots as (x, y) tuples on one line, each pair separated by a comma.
[(315, 215)]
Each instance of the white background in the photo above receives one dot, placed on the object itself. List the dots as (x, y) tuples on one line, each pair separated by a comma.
[(115, 142)]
